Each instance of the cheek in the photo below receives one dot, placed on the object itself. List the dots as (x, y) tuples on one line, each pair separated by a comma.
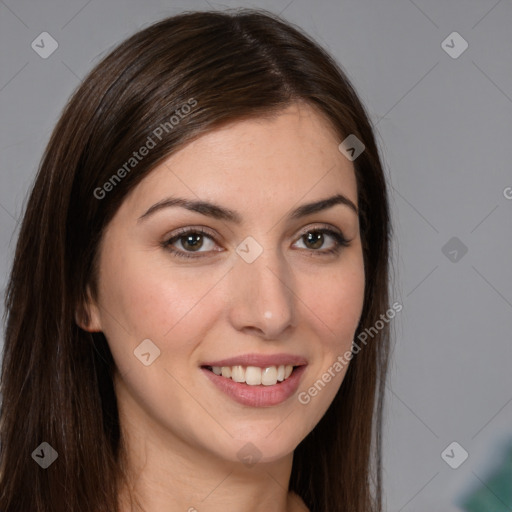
[(337, 302), (336, 308), (140, 301), (152, 297)]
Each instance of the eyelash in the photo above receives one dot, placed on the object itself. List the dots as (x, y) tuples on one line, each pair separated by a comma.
[(340, 241)]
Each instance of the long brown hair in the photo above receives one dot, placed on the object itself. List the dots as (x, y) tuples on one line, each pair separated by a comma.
[(56, 380)]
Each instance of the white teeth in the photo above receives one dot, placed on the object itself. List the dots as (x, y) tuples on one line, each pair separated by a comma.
[(238, 373), (269, 376), (254, 375)]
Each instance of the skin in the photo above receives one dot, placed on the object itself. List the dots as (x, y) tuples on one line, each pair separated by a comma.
[(181, 433)]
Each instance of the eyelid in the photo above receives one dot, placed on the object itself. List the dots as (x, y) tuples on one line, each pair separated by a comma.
[(319, 227), (207, 231), (190, 229)]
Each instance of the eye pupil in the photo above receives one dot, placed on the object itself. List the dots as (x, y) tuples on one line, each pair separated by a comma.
[(319, 238)]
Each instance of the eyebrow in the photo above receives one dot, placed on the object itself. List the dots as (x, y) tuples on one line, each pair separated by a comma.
[(222, 213)]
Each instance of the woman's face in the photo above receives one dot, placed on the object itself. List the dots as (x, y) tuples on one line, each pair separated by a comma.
[(259, 288)]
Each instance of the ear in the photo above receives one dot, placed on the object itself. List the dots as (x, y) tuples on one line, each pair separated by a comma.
[(87, 315)]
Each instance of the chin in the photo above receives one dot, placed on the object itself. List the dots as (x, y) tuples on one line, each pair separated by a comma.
[(264, 448)]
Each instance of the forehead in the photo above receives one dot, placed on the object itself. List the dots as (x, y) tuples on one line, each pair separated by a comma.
[(271, 163)]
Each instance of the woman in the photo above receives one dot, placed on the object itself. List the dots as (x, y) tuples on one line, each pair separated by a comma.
[(206, 238)]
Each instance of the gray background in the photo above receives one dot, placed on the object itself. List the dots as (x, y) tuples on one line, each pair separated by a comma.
[(444, 127)]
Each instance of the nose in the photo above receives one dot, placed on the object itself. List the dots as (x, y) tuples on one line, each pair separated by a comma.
[(262, 294)]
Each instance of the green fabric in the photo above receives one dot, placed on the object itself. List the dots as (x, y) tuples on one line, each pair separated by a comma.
[(495, 494)]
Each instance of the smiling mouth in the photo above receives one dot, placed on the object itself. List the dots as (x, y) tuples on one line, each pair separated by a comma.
[(254, 375)]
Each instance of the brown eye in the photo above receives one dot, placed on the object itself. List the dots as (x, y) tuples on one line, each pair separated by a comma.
[(314, 239), (189, 241)]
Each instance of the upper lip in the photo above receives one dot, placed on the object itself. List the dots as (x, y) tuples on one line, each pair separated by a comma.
[(259, 360)]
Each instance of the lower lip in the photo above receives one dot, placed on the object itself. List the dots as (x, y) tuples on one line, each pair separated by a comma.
[(258, 396)]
